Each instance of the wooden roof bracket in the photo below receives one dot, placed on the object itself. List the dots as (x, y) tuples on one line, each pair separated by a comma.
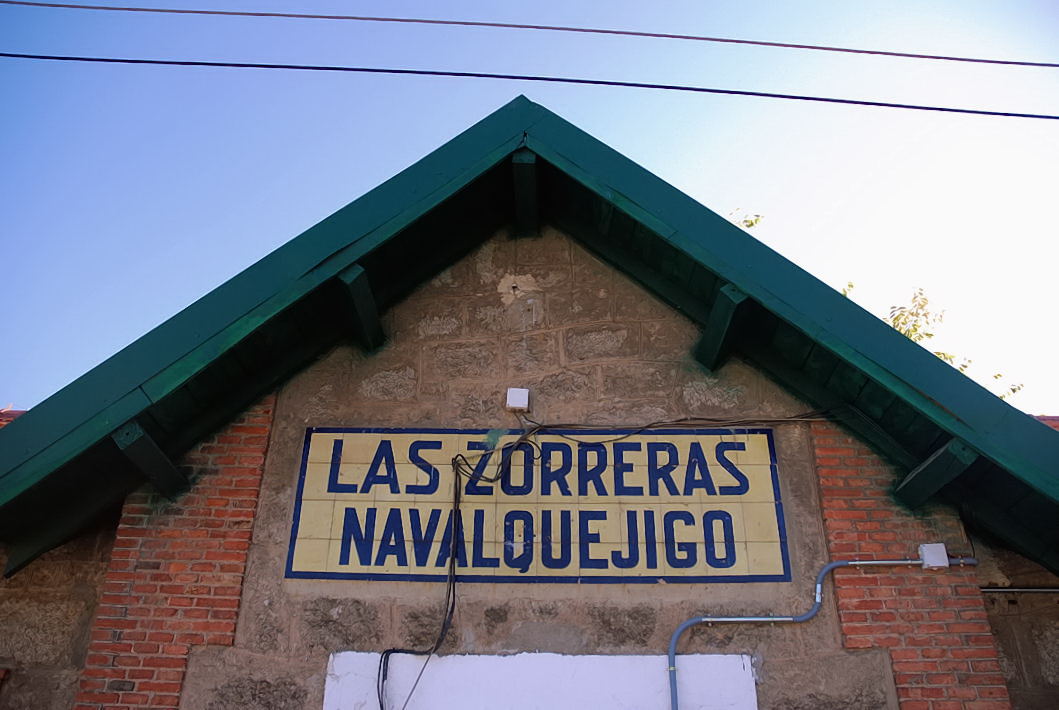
[(845, 413), (938, 470), (527, 209), (722, 325), (363, 311), (147, 458)]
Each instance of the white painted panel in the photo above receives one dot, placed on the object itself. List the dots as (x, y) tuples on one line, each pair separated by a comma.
[(545, 681)]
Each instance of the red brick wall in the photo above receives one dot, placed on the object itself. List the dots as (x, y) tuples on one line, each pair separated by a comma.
[(933, 623), (1048, 420), (9, 415), (176, 572)]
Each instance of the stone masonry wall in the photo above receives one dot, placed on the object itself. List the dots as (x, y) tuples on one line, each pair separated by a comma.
[(45, 612), (594, 348), (175, 576), (933, 624), (187, 607), (1025, 625)]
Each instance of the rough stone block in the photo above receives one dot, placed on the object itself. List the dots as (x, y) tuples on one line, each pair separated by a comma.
[(551, 247), (602, 342), (275, 694), (856, 681), (707, 396), (235, 679), (579, 305), (533, 352), (40, 630), (620, 626), (637, 380), (633, 414), (564, 386), (396, 384), (491, 314), (591, 272), (634, 303), (463, 360), (535, 277), (340, 624), (39, 689), (668, 339), (1046, 639), (455, 280), (420, 626), (491, 261), (429, 319), (472, 404)]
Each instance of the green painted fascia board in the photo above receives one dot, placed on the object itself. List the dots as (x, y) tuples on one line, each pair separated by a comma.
[(198, 359), (1016, 441), (162, 360), (31, 471), (195, 361), (372, 218)]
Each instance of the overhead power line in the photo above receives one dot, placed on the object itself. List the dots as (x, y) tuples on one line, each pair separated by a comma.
[(524, 77), (546, 28)]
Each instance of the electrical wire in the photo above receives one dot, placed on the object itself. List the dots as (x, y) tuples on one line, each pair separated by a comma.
[(524, 77), (449, 607), (462, 468), (462, 464), (545, 28)]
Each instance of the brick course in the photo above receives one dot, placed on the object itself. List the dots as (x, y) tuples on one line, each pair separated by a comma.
[(175, 575), (933, 624)]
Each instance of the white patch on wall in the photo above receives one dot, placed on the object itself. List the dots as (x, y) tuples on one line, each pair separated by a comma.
[(541, 680)]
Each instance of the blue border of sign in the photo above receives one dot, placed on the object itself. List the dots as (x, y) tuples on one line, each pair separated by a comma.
[(290, 573)]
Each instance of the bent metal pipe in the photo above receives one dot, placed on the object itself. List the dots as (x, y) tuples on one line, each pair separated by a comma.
[(813, 610)]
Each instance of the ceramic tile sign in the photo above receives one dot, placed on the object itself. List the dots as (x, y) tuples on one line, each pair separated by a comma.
[(588, 506)]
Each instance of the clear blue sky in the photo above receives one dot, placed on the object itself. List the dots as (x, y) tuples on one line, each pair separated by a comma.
[(126, 193)]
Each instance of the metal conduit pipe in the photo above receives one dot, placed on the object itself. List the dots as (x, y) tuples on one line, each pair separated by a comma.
[(813, 610)]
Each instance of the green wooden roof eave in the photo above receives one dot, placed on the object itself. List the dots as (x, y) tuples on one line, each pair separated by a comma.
[(69, 419), (675, 216), (27, 474), (183, 369), (934, 388)]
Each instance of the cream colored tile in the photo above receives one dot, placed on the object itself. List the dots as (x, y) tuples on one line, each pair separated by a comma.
[(520, 479), (321, 447), (315, 485), (364, 515), (522, 554), (761, 489), (765, 557), (558, 513), (310, 555), (314, 519), (761, 522), (358, 447), (685, 521), (714, 568), (609, 526)]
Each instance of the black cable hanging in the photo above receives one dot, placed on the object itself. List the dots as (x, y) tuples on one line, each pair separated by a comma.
[(524, 77), (462, 468), (545, 28)]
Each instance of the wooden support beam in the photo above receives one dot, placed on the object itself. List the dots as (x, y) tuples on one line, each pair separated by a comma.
[(364, 314), (939, 469), (673, 293), (67, 516), (142, 451), (979, 512), (726, 316), (820, 396), (524, 169)]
